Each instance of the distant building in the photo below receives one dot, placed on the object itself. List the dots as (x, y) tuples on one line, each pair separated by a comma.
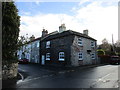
[(30, 51), (68, 48)]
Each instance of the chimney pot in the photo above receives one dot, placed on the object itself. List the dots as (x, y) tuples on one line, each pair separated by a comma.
[(85, 32)]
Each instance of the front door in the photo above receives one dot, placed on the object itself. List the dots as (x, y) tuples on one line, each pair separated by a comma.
[(43, 60)]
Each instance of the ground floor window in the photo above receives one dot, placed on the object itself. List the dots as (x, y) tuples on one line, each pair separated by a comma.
[(47, 56), (80, 55), (93, 55), (61, 56)]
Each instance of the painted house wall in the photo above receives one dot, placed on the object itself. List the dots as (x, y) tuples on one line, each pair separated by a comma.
[(35, 52), (75, 49), (31, 51)]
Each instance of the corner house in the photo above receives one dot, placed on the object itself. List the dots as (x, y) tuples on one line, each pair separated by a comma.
[(68, 48)]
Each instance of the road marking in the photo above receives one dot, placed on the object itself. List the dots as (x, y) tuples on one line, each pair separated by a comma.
[(100, 79), (21, 69), (19, 81), (45, 76), (21, 76)]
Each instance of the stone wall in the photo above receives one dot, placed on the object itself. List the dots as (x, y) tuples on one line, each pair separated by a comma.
[(75, 49), (57, 45), (9, 71)]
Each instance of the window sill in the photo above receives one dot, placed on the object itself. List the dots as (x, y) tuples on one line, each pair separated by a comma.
[(61, 59), (48, 59), (80, 45), (80, 59)]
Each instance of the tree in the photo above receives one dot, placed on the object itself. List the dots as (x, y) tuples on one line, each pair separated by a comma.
[(10, 31), (117, 47), (106, 46)]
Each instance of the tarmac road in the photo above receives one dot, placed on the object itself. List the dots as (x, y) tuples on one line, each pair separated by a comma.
[(36, 76)]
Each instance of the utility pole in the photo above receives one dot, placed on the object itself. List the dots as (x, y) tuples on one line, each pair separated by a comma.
[(113, 46)]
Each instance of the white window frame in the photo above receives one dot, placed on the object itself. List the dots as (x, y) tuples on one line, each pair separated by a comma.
[(61, 55), (80, 41), (47, 56), (33, 45), (92, 44), (80, 55), (48, 44), (38, 44), (93, 55)]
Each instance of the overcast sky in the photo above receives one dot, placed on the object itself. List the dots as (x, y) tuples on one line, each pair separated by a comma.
[(100, 17)]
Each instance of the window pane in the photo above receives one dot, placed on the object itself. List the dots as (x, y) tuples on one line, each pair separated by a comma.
[(80, 55), (47, 56), (48, 44), (79, 41), (61, 56)]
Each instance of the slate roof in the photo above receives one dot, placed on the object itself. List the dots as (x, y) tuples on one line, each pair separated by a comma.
[(58, 35), (66, 33)]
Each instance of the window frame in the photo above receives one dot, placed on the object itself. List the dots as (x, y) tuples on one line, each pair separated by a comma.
[(38, 44), (93, 55), (80, 55), (47, 56), (61, 55), (48, 44), (80, 41), (92, 44)]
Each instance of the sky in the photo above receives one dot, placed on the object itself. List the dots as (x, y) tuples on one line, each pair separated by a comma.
[(100, 17)]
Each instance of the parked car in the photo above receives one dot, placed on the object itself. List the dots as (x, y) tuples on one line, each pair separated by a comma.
[(24, 60), (114, 60)]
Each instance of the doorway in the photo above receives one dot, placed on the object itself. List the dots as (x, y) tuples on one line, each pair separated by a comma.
[(43, 60)]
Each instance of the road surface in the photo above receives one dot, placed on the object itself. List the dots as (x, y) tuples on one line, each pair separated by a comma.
[(35, 76)]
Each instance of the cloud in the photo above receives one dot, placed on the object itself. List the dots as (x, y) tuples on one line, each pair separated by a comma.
[(26, 13), (101, 21), (37, 2)]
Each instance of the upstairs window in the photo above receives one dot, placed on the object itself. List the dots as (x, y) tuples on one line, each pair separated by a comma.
[(37, 44), (33, 45), (93, 55), (80, 55), (61, 56), (80, 42), (47, 56), (48, 44), (92, 44)]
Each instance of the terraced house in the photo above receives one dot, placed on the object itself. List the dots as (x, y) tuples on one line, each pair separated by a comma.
[(68, 48), (30, 51)]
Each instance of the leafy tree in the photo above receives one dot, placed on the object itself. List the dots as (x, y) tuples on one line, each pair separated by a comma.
[(22, 40), (10, 31), (117, 47), (100, 52), (106, 46)]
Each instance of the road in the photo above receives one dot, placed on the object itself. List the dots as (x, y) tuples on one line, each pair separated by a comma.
[(36, 76)]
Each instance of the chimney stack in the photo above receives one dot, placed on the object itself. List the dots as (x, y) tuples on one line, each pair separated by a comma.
[(44, 32), (32, 38), (62, 28), (85, 32)]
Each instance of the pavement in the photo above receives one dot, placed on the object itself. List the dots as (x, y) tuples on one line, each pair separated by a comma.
[(22, 74)]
